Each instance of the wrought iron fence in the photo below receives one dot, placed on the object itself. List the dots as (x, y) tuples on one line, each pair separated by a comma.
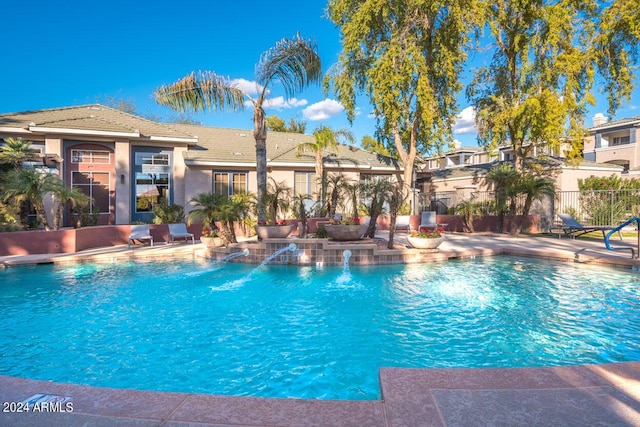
[(593, 207), (599, 207)]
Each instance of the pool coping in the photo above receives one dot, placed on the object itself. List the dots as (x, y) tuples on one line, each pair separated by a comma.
[(571, 395)]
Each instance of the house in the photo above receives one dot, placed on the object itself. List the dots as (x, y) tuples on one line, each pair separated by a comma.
[(127, 164), (614, 142)]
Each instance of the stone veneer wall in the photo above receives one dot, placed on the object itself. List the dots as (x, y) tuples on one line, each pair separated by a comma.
[(321, 251)]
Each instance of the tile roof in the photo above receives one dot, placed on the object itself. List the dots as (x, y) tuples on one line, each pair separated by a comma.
[(91, 118), (208, 145), (237, 146), (616, 123)]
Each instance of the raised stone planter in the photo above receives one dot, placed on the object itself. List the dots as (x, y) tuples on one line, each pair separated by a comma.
[(422, 243), (346, 232), (212, 242), (273, 231)]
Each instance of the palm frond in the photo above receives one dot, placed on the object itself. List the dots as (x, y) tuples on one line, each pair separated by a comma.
[(294, 62), (204, 90)]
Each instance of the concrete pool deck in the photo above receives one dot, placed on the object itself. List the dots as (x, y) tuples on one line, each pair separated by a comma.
[(575, 395)]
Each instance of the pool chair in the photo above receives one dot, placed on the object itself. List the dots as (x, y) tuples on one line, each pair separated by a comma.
[(179, 231), (428, 221), (140, 233), (402, 223), (573, 228)]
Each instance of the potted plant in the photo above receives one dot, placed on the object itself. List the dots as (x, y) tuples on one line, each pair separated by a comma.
[(277, 200), (426, 239), (280, 230), (347, 229), (210, 238)]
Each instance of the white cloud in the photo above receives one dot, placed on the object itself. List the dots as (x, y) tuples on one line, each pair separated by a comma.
[(279, 102), (250, 88), (465, 122), (322, 110)]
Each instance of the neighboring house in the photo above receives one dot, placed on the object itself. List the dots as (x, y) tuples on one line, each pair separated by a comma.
[(128, 164), (614, 142)]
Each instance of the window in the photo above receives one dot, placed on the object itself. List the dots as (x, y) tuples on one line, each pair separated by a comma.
[(90, 156), (620, 140), (304, 183), (96, 186), (151, 189), (152, 159), (228, 183)]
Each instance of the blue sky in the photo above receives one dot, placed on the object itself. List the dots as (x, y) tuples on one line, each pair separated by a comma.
[(77, 52)]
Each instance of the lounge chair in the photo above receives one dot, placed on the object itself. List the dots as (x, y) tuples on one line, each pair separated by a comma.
[(428, 221), (402, 223), (140, 233), (179, 231), (573, 228)]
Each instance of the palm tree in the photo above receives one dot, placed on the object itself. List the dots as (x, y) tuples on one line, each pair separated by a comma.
[(535, 188), (376, 193), (396, 196), (335, 185), (30, 186), (504, 177), (64, 195), (277, 199), (293, 62), (324, 139), (300, 210), (16, 151), (211, 207)]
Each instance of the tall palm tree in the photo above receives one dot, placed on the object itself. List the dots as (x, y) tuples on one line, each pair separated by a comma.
[(16, 151), (325, 139), (294, 63)]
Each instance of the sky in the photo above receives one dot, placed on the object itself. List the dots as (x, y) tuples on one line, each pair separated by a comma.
[(59, 54)]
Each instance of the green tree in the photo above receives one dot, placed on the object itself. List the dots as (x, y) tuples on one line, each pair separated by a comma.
[(294, 63), (536, 89), (406, 57), (325, 139), (396, 197), (374, 146), (375, 193), (277, 124), (16, 151), (166, 213)]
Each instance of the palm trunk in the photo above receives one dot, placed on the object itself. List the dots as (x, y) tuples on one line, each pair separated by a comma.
[(260, 135), (42, 215), (392, 230)]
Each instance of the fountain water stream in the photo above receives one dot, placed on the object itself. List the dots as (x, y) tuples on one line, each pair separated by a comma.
[(234, 255), (291, 247)]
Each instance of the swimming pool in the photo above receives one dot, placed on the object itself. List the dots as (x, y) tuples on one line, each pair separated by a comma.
[(305, 332)]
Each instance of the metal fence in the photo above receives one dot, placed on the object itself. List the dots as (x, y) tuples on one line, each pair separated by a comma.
[(593, 207)]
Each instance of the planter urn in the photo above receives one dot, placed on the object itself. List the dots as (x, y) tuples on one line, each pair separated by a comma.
[(425, 243), (346, 232), (273, 231)]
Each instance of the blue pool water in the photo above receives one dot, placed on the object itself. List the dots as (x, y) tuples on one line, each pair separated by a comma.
[(300, 332)]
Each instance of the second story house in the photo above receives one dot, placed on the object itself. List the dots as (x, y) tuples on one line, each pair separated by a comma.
[(614, 142)]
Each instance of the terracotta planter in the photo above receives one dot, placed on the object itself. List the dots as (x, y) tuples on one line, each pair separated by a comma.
[(422, 243), (273, 231), (346, 232), (212, 242)]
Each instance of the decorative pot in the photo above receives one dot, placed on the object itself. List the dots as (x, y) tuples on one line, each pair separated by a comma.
[(422, 243), (273, 231), (346, 232), (212, 242)]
